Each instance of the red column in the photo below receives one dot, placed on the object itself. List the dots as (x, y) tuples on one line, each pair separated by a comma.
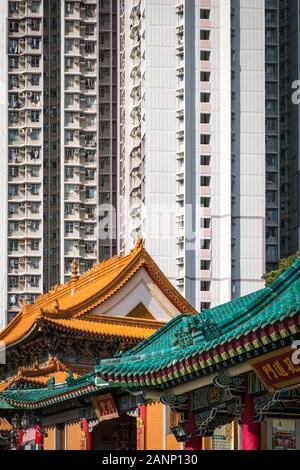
[(195, 443), (250, 430), (88, 435), (39, 437), (143, 416)]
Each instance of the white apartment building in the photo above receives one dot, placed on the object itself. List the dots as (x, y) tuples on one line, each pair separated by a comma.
[(58, 141), (192, 139)]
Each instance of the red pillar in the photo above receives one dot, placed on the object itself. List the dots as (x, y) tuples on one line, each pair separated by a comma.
[(250, 430), (39, 437), (195, 443), (143, 416), (88, 435)]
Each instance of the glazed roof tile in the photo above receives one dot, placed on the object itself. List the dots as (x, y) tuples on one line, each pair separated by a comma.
[(39, 398), (234, 321), (81, 295)]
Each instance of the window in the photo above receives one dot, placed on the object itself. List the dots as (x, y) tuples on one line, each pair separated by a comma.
[(205, 244), (35, 116), (89, 29), (205, 202), (35, 80), (69, 172), (13, 27), (69, 227), (13, 245), (69, 100), (13, 7), (35, 190), (34, 172), (35, 25), (34, 263), (205, 223), (90, 47), (204, 14), (205, 181), (34, 281), (69, 63), (205, 265), (205, 118), (34, 226), (205, 139), (35, 208), (35, 7), (69, 8), (35, 43), (13, 263), (205, 306), (205, 34), (13, 283), (35, 61), (89, 229), (205, 160), (90, 84), (70, 209), (205, 286), (34, 245), (205, 97), (90, 193), (204, 76), (69, 45), (205, 55)]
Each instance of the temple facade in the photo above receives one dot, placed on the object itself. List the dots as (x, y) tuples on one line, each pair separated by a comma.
[(228, 378), (53, 346)]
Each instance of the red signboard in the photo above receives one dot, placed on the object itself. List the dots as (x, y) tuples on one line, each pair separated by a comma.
[(277, 370), (105, 407)]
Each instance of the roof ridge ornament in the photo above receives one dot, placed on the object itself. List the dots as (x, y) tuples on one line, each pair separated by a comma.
[(196, 329)]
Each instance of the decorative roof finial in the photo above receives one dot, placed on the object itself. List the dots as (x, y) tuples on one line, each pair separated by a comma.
[(74, 271), (139, 242)]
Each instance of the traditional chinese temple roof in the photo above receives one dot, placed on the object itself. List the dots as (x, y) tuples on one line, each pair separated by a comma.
[(192, 347), (38, 376), (52, 394), (66, 307), (189, 347)]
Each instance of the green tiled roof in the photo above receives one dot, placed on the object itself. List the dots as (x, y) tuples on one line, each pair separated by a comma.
[(160, 359), (40, 398)]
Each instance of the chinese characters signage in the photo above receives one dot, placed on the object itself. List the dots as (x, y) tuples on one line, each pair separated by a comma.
[(105, 407), (277, 370)]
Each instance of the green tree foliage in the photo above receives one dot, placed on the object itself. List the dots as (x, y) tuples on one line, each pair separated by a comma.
[(283, 265)]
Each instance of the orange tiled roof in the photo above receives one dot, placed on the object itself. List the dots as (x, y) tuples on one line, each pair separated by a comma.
[(108, 327), (39, 376), (81, 295), (4, 425)]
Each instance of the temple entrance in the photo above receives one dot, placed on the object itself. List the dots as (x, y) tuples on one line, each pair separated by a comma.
[(116, 434)]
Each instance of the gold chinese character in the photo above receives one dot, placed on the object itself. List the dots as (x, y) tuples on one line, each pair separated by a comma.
[(269, 371), (280, 369)]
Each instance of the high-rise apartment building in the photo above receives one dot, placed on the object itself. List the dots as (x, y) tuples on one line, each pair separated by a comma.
[(192, 141), (58, 140)]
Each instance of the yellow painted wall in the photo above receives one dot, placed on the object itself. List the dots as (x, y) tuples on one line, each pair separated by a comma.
[(172, 444), (155, 430), (73, 436), (49, 440), (154, 437)]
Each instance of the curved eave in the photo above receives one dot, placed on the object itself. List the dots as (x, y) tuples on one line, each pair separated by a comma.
[(28, 335), (76, 332), (54, 400), (206, 360)]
